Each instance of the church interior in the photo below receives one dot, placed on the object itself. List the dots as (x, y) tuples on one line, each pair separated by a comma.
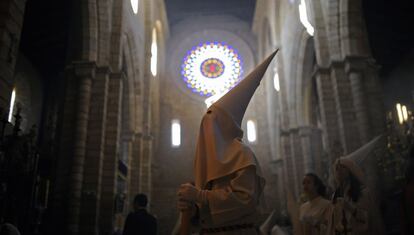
[(102, 99)]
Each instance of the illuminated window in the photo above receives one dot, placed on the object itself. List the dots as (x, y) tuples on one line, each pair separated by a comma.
[(212, 69), (251, 131), (12, 100), (154, 53), (303, 16), (276, 83), (175, 133), (134, 4)]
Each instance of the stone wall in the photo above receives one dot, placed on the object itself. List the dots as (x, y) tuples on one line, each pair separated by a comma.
[(336, 61)]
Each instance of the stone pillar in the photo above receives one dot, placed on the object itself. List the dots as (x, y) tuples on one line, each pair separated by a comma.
[(281, 180), (348, 130), (375, 98), (289, 160), (145, 166), (134, 167), (84, 73), (148, 108), (94, 154), (312, 149), (110, 162), (11, 24), (59, 187), (354, 69), (128, 140), (328, 111), (298, 161)]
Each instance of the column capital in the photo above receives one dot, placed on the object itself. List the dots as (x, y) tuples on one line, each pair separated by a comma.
[(128, 136), (335, 64), (308, 130), (83, 69), (117, 75), (103, 70), (355, 63), (148, 137), (320, 71)]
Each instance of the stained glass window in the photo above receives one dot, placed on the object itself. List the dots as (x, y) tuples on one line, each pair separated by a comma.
[(212, 68)]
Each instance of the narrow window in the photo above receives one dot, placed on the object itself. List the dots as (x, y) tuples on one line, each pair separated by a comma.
[(276, 83), (175, 133), (134, 4), (12, 100), (304, 17), (154, 53), (251, 131)]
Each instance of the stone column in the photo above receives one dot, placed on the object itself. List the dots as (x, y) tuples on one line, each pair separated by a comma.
[(328, 111), (145, 166), (94, 154), (279, 175), (59, 187), (297, 157), (84, 73), (289, 160), (354, 68), (134, 166), (11, 24), (312, 149), (148, 109), (348, 129), (110, 162), (128, 140), (375, 98)]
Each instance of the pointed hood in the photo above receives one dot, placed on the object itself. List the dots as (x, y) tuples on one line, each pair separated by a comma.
[(354, 160), (220, 150), (237, 99)]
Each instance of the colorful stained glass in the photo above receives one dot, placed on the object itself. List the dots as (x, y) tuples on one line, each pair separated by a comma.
[(212, 68)]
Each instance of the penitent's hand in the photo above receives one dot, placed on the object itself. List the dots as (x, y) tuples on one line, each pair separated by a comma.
[(188, 192), (184, 205)]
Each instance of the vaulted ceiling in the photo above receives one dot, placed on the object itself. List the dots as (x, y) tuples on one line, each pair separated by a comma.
[(178, 10)]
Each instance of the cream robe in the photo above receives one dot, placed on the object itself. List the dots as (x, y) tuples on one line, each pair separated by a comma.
[(314, 216), (357, 222), (232, 200)]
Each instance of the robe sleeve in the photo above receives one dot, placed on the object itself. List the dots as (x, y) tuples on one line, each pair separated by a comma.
[(237, 200)]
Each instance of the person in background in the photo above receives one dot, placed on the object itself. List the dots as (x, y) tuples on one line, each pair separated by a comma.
[(354, 210), (140, 221), (314, 213)]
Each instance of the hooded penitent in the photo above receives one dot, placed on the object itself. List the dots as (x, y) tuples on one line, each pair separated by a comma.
[(372, 221), (354, 160), (220, 150)]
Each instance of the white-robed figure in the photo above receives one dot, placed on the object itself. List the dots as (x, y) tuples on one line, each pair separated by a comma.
[(354, 210), (228, 181), (314, 214)]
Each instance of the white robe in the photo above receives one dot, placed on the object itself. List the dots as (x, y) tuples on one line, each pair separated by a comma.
[(343, 221), (314, 215)]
